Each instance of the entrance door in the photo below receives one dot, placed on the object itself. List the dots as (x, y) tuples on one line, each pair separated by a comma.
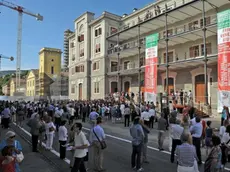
[(170, 85), (113, 87), (80, 91), (127, 87), (199, 88)]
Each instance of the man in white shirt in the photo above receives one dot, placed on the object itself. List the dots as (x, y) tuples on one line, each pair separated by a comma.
[(145, 116), (176, 132), (80, 145), (152, 114), (63, 135)]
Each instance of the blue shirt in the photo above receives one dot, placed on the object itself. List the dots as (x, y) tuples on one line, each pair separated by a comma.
[(99, 132), (196, 130), (93, 115), (137, 133)]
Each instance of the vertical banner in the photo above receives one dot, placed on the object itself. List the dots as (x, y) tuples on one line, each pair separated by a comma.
[(223, 59), (151, 55)]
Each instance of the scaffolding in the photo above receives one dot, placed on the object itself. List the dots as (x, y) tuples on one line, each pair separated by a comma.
[(163, 17)]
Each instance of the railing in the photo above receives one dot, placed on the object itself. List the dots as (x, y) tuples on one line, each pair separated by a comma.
[(123, 67), (152, 13)]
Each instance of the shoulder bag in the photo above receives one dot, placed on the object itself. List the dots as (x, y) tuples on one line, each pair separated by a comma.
[(102, 143), (20, 156)]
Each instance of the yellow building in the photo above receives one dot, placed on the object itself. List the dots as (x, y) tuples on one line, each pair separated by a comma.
[(31, 82), (49, 68), (12, 86), (21, 89)]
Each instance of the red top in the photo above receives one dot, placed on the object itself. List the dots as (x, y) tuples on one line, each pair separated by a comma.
[(7, 167)]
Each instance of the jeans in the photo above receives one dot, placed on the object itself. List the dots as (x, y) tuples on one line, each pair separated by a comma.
[(136, 156)]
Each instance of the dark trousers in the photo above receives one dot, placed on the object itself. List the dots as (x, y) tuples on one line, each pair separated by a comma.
[(151, 121), (34, 143), (196, 143), (57, 122), (62, 149), (78, 165), (136, 156), (83, 116), (5, 122), (127, 120), (175, 142)]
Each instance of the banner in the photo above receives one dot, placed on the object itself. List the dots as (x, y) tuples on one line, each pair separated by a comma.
[(223, 59), (151, 55)]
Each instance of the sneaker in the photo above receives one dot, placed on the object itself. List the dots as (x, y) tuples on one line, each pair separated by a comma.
[(140, 169)]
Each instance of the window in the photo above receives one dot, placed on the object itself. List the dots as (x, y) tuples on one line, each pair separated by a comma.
[(72, 88), (113, 30), (97, 45), (208, 49), (81, 48), (207, 21), (142, 61), (170, 57), (170, 32), (72, 45), (81, 38), (114, 66), (193, 25), (96, 87), (79, 68), (194, 51), (98, 32), (96, 65), (52, 70), (126, 65)]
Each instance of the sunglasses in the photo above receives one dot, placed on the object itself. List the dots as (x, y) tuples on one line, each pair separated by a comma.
[(12, 137)]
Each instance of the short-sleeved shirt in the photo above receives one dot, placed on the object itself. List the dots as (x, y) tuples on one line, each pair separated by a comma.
[(7, 167), (80, 140)]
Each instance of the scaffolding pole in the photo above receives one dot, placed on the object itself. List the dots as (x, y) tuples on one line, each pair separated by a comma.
[(166, 54), (139, 65), (205, 53), (118, 67)]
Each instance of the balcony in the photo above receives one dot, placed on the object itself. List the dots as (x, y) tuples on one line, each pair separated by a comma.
[(124, 69), (127, 49)]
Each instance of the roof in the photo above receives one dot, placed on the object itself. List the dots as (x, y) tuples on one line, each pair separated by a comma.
[(34, 71), (87, 12), (107, 15), (50, 49)]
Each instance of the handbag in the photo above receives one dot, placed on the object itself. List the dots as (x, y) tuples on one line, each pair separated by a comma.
[(102, 143), (20, 156)]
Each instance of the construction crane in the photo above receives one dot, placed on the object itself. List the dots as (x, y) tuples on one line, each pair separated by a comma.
[(21, 10), (4, 57)]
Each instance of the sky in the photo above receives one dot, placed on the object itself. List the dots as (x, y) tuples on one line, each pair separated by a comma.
[(59, 15)]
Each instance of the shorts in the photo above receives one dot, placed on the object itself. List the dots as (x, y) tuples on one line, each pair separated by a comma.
[(86, 158)]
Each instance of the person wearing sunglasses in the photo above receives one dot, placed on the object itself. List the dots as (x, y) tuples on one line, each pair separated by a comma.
[(11, 141)]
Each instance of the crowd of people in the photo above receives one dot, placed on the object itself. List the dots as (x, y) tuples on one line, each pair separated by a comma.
[(187, 133)]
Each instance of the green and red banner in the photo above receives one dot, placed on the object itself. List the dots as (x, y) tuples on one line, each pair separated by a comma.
[(223, 59), (151, 56)]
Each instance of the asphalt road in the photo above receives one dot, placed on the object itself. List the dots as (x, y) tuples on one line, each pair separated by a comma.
[(117, 157)]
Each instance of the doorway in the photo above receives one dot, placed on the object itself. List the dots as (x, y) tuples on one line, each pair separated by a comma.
[(127, 86), (113, 87), (199, 88), (170, 85), (80, 91)]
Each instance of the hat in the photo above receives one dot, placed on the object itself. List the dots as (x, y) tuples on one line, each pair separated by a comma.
[(10, 134)]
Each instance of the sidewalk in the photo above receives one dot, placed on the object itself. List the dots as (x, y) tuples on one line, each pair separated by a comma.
[(33, 162)]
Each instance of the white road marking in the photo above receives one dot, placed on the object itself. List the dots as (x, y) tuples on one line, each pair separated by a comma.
[(108, 135), (128, 141)]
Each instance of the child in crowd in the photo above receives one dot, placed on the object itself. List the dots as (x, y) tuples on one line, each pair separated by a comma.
[(8, 161)]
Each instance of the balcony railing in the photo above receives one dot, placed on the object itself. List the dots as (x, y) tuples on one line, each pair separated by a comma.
[(150, 14), (126, 46)]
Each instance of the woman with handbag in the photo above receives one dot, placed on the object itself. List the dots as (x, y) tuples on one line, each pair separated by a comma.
[(10, 141), (50, 129)]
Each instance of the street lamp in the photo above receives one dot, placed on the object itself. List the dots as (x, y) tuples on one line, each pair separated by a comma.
[(5, 57)]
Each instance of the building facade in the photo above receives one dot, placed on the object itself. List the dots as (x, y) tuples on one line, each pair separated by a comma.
[(21, 89), (49, 71), (6, 89), (187, 50), (31, 83)]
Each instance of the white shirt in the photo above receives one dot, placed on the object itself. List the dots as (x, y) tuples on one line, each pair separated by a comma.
[(222, 131), (225, 138), (62, 133), (176, 131), (152, 112), (57, 114), (48, 126), (80, 140), (145, 116)]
